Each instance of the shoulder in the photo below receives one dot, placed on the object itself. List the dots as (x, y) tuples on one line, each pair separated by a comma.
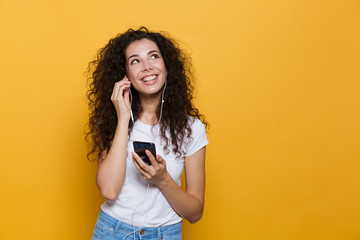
[(196, 126), (195, 122), (198, 138)]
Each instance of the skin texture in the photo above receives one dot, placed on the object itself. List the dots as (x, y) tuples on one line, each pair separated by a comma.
[(111, 171), (144, 60)]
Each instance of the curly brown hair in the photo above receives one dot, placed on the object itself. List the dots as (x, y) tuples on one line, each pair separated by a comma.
[(109, 67)]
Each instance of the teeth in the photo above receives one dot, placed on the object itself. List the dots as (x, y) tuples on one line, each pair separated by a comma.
[(149, 78)]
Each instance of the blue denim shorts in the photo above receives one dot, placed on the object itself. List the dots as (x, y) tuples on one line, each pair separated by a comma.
[(110, 228)]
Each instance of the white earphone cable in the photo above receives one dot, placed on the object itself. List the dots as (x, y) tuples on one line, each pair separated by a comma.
[(147, 190), (161, 107), (132, 216)]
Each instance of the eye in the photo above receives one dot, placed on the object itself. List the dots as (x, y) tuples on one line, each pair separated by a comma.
[(154, 56), (134, 61)]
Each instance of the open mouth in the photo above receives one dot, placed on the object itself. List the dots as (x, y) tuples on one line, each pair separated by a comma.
[(149, 78)]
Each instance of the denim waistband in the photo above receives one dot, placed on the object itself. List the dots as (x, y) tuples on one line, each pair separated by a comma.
[(117, 225)]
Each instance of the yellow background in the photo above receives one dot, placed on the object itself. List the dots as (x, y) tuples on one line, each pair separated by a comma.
[(278, 81)]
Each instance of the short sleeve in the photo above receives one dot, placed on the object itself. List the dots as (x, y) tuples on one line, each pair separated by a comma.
[(198, 138)]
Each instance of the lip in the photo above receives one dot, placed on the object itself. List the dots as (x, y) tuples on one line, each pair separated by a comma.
[(151, 81)]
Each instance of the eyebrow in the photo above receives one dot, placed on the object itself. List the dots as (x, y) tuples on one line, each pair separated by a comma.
[(137, 55)]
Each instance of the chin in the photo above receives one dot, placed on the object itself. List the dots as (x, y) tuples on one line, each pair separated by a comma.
[(150, 90)]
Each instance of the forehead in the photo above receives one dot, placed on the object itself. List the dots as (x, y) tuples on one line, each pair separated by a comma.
[(142, 46)]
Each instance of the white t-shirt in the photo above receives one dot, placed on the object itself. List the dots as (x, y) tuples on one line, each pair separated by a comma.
[(138, 205)]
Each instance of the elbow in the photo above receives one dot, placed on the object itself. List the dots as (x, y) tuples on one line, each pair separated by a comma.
[(195, 218), (108, 191), (196, 214), (108, 194)]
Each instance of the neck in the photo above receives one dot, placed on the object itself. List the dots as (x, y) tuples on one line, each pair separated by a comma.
[(149, 105)]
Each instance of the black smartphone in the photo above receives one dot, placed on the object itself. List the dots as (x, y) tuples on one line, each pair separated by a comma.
[(140, 147)]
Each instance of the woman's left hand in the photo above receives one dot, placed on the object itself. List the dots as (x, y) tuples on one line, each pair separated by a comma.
[(156, 173)]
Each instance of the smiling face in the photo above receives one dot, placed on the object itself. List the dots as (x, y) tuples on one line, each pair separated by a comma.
[(145, 67)]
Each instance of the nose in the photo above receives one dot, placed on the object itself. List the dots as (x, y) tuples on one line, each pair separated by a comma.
[(147, 66)]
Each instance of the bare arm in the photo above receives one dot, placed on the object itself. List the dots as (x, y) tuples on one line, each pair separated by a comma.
[(188, 204), (111, 170), (112, 165)]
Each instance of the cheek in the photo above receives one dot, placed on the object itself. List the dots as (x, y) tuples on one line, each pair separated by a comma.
[(161, 65), (132, 72)]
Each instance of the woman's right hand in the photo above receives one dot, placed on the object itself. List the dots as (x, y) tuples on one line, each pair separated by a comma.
[(120, 98)]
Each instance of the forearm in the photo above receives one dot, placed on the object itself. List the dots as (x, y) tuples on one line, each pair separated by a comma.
[(189, 204), (111, 170), (185, 204)]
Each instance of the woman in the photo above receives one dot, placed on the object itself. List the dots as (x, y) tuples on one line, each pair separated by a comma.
[(147, 78)]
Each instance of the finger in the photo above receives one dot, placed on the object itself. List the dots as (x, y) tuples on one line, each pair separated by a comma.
[(127, 89), (125, 80), (151, 157), (160, 160), (122, 81), (115, 90), (150, 170), (142, 171), (120, 91), (138, 167), (140, 162), (126, 95)]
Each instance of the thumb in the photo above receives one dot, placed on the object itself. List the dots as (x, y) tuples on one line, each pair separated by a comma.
[(159, 159)]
